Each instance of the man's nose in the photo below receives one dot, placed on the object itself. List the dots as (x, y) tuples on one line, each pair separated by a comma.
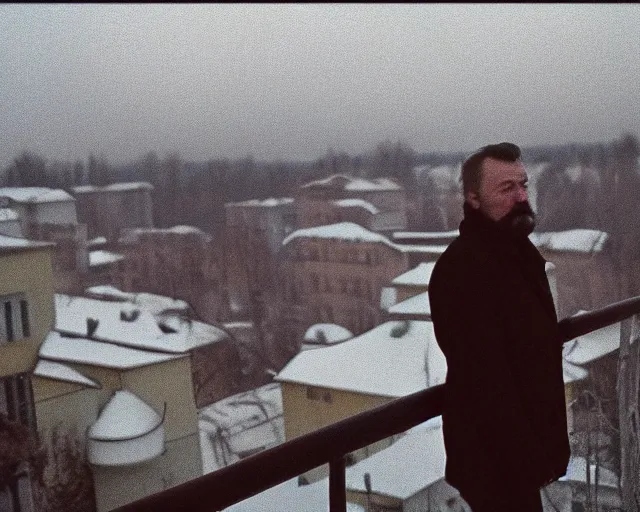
[(522, 194)]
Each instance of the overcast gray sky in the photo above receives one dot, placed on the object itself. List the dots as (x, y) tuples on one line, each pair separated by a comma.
[(291, 80)]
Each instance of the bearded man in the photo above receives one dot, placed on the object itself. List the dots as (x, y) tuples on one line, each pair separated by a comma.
[(504, 416)]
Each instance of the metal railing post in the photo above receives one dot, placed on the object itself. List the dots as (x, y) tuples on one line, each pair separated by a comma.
[(337, 485)]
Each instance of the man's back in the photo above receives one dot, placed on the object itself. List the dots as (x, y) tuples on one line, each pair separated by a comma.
[(504, 418)]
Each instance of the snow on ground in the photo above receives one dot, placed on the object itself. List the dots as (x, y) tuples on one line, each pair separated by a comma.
[(418, 276), (240, 424), (59, 371), (387, 365)]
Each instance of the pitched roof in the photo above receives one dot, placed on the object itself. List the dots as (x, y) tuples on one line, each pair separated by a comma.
[(35, 194), (417, 276), (59, 371), (572, 240), (421, 455), (387, 365)]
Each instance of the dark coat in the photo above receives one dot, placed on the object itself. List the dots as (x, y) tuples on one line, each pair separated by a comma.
[(504, 416)]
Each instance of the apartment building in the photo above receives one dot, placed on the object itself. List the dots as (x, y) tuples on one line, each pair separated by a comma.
[(334, 274), (26, 293)]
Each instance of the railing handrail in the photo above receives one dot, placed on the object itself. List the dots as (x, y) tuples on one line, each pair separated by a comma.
[(248, 477)]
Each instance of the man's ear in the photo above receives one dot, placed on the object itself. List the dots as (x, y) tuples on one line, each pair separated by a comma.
[(473, 199)]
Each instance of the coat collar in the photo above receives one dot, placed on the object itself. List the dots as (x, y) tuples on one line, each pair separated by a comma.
[(518, 252)]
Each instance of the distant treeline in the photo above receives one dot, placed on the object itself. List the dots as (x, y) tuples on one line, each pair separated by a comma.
[(194, 193)]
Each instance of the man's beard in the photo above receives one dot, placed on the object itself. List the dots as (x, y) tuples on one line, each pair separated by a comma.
[(520, 220)]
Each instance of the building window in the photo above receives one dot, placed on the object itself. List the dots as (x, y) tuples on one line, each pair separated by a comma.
[(15, 318), (16, 401)]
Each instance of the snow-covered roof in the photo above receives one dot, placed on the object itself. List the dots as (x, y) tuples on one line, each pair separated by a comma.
[(289, 496), (422, 249), (573, 240), (156, 304), (351, 183), (409, 465), (124, 416), (387, 365), (97, 353), (418, 276), (100, 240), (388, 297), (132, 234), (141, 332), (243, 423), (346, 231), (114, 187), (427, 235), (272, 201), (332, 333), (7, 214), (577, 472), (416, 305), (35, 194), (11, 243), (593, 345), (572, 373), (356, 203), (59, 371), (127, 431), (97, 258)]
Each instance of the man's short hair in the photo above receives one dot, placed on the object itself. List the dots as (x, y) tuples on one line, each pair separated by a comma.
[(472, 167)]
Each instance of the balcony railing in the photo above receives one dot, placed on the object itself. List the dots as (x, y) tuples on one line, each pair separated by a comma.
[(248, 477)]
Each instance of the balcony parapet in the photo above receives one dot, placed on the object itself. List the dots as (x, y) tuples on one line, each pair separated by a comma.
[(128, 431)]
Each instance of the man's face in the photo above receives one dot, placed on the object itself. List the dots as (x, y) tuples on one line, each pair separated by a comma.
[(502, 195)]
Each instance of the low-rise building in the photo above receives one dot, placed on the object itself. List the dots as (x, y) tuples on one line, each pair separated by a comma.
[(26, 295), (335, 274), (377, 204), (406, 476), (321, 387), (182, 262), (109, 209)]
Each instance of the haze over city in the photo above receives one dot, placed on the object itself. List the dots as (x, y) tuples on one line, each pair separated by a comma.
[(290, 81)]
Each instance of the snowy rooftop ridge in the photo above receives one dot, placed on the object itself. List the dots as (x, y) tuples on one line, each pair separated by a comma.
[(270, 202), (133, 324), (35, 194), (592, 346), (573, 240), (59, 371), (416, 305), (361, 203), (354, 184), (114, 187), (97, 258), (8, 243), (7, 214), (96, 353), (417, 276), (391, 362), (346, 231), (124, 416)]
